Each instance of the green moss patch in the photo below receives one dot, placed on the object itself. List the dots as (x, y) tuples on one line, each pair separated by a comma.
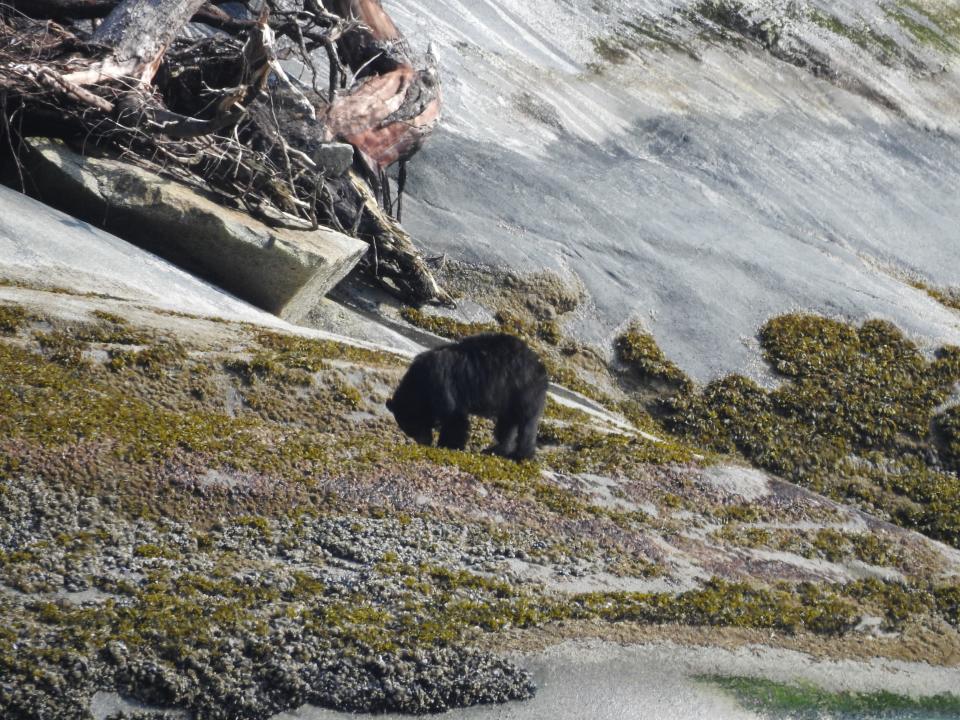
[(825, 543), (731, 605), (583, 449), (808, 701), (154, 360), (111, 330), (639, 36), (853, 418), (309, 354), (881, 46), (445, 326), (54, 406), (934, 25), (640, 352), (521, 480), (12, 318), (948, 297)]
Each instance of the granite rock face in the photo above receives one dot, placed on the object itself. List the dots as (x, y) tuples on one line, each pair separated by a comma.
[(283, 271), (700, 166)]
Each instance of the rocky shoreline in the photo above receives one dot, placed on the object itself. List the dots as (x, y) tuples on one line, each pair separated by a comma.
[(214, 517)]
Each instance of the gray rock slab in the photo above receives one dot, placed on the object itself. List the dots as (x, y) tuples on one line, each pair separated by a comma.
[(108, 704), (41, 247), (281, 270)]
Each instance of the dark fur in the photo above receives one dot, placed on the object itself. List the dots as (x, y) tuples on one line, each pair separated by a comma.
[(491, 375)]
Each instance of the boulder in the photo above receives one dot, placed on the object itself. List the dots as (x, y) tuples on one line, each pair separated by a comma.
[(283, 271)]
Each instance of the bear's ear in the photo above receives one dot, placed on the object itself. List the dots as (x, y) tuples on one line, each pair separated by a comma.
[(390, 404)]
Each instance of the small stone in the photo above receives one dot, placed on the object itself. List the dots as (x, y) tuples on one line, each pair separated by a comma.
[(334, 158)]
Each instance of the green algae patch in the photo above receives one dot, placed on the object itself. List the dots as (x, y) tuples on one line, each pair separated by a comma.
[(564, 413), (821, 609), (583, 449), (804, 700), (146, 426), (487, 468), (155, 551), (268, 366), (948, 297), (444, 326), (947, 429), (853, 418), (520, 480), (868, 385), (897, 602), (109, 331), (506, 322), (824, 543), (67, 343), (154, 360), (612, 51), (53, 406), (109, 317), (947, 599), (62, 348), (12, 318), (639, 351), (526, 480), (934, 25), (722, 603), (309, 354), (791, 609), (636, 36), (881, 46)]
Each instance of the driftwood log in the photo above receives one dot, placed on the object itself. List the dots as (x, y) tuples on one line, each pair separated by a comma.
[(121, 76)]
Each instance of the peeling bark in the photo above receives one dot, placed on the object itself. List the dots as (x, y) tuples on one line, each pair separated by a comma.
[(141, 31)]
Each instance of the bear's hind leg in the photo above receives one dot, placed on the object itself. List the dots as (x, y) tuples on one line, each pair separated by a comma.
[(454, 431)]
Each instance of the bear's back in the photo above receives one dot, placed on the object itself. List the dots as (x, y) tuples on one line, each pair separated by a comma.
[(500, 352), (486, 373)]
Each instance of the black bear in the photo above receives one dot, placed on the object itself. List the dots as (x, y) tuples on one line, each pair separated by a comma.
[(491, 375)]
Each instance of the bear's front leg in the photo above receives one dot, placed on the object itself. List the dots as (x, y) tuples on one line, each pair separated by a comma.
[(505, 433), (526, 445), (527, 424), (454, 431)]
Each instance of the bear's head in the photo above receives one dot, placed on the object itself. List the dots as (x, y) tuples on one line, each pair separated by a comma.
[(412, 422)]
